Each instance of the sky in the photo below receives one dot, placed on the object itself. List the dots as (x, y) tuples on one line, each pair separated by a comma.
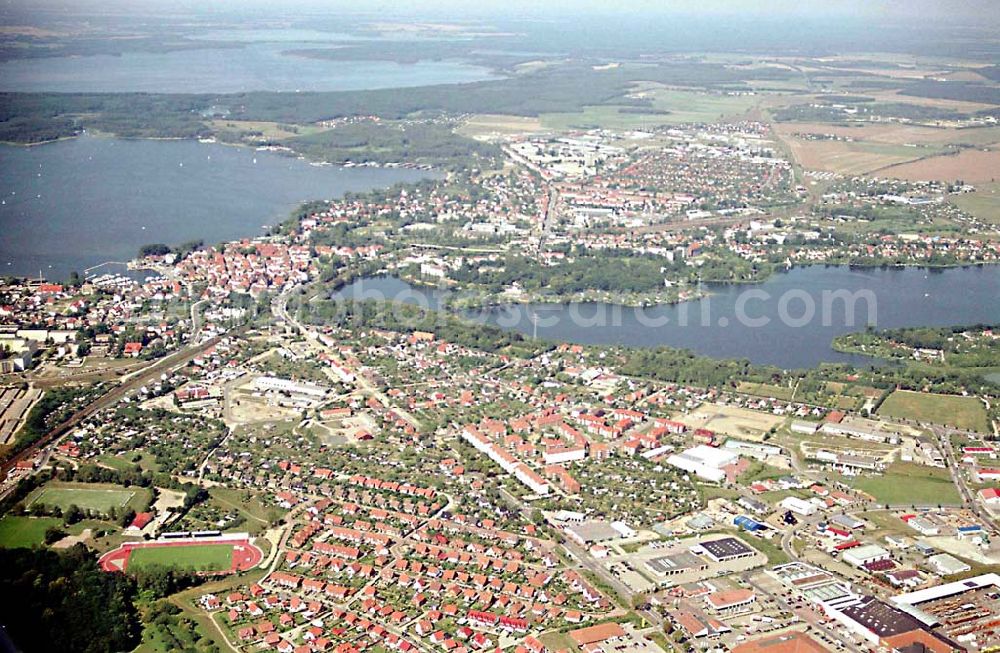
[(884, 8), (906, 10)]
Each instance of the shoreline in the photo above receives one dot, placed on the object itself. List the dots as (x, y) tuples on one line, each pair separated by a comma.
[(280, 150), (707, 285)]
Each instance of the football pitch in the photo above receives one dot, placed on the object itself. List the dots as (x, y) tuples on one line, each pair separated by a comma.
[(199, 557), (98, 499), (25, 532)]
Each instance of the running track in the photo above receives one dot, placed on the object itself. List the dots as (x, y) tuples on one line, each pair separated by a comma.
[(245, 555)]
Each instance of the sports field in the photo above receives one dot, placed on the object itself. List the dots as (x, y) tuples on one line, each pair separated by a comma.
[(87, 497), (208, 556), (950, 410), (24, 532), (200, 557)]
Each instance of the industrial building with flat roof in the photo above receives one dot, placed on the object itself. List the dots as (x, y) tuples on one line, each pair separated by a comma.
[(592, 532), (704, 461), (860, 556), (724, 549), (887, 626), (678, 563)]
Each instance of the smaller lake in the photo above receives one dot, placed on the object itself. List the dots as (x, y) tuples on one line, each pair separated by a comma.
[(73, 204), (788, 321), (255, 67)]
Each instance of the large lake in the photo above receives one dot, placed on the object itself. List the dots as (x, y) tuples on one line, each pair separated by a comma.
[(767, 326), (255, 67), (73, 204)]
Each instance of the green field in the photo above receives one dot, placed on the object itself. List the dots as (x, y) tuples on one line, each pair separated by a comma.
[(775, 555), (961, 412), (905, 484), (678, 106), (144, 460), (259, 516), (765, 390), (200, 557), (24, 532), (99, 498), (984, 203)]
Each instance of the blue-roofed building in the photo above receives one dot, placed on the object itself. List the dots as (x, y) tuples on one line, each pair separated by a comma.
[(748, 524), (970, 532)]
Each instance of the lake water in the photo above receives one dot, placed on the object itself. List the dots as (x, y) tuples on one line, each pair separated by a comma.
[(72, 204), (768, 326), (255, 67)]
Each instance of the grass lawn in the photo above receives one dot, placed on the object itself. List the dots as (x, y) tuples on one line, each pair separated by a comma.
[(887, 522), (556, 641), (765, 390), (770, 548), (984, 203), (115, 462), (89, 496), (966, 413), (248, 503), (24, 532), (204, 557), (693, 106), (269, 130), (776, 496), (145, 462), (486, 124), (905, 484), (709, 492), (758, 471)]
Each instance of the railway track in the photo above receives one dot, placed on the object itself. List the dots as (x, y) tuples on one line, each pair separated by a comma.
[(177, 359)]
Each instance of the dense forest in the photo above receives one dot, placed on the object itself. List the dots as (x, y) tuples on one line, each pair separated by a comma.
[(684, 366), (378, 142), (35, 117), (65, 602), (954, 90), (608, 270)]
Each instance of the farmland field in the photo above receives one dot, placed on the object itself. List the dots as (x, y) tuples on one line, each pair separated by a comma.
[(668, 107), (895, 133), (971, 166), (961, 412), (97, 497), (857, 157), (200, 557)]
